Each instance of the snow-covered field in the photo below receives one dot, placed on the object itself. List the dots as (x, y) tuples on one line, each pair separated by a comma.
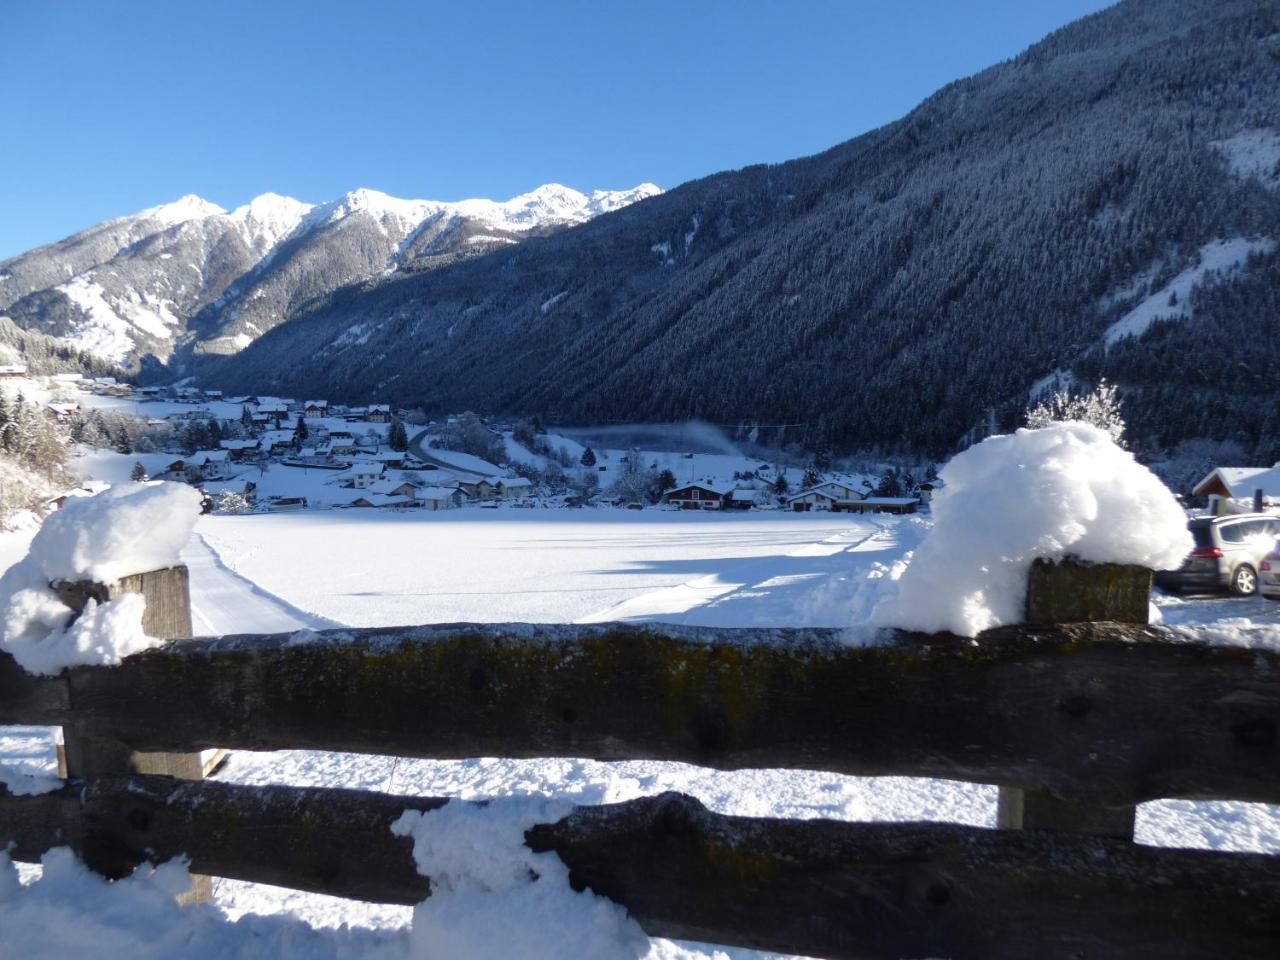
[(558, 566), (283, 572)]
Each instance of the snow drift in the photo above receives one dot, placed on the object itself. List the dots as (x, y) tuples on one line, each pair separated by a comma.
[(491, 896), (1062, 490), (123, 530)]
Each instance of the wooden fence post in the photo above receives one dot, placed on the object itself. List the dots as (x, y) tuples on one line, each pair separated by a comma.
[(1073, 592), (167, 615)]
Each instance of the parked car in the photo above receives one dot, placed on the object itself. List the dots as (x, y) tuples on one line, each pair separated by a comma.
[(1269, 574), (1228, 554)]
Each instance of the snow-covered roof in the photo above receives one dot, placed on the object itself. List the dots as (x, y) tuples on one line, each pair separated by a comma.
[(366, 469), (745, 493), (889, 501), (379, 408), (201, 457), (1241, 482), (389, 486), (512, 482), (812, 491), (383, 500), (436, 493), (719, 489), (316, 403), (238, 444)]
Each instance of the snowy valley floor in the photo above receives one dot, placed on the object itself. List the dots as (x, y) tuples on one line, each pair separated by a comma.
[(284, 572)]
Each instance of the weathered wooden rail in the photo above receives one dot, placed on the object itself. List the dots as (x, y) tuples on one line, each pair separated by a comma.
[(1077, 722)]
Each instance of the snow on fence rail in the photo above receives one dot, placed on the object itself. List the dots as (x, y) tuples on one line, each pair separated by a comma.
[(1077, 721)]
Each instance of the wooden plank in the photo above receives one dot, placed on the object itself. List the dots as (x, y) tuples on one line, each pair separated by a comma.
[(1100, 713), (24, 696), (819, 888), (86, 753), (1064, 592)]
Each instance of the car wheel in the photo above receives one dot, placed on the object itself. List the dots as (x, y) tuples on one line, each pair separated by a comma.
[(1244, 582)]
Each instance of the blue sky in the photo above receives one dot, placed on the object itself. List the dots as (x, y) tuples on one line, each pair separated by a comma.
[(112, 107)]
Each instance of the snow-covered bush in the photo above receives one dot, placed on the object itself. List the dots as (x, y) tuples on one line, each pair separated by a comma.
[(1063, 490), (228, 501), (121, 531), (1100, 407)]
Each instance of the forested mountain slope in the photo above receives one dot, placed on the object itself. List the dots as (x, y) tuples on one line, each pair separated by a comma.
[(886, 292)]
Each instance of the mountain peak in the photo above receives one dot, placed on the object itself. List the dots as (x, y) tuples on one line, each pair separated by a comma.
[(181, 210)]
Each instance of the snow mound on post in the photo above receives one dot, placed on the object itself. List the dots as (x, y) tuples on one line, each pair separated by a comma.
[(1062, 490), (491, 896), (121, 531)]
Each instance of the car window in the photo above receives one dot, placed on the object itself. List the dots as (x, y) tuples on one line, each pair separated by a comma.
[(1232, 532)]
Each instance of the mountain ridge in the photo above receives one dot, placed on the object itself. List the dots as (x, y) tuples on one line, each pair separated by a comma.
[(174, 278)]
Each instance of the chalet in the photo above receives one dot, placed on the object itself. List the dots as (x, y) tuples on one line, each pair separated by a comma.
[(830, 495), (395, 488), (506, 488), (392, 458), (744, 498), (275, 410), (240, 449), (314, 409), (365, 475), (13, 371), (380, 500), (204, 458), (276, 441), (378, 413), (62, 412), (342, 443), (878, 505), (1257, 486), (698, 496), (477, 489), (440, 498), (213, 394)]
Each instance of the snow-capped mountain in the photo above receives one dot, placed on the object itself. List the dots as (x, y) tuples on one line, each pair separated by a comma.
[(191, 276)]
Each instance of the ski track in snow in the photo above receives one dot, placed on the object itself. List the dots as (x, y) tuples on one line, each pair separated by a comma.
[(223, 602)]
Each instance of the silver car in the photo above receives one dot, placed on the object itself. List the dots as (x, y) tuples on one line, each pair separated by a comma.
[(1269, 575), (1228, 555)]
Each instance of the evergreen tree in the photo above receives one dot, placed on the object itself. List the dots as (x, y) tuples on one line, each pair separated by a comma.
[(780, 486), (588, 457), (138, 473), (300, 431), (397, 436), (246, 417), (811, 477)]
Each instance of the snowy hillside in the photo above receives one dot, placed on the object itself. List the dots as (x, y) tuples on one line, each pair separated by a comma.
[(191, 275)]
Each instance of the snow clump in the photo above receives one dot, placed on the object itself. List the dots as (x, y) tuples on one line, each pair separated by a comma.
[(1063, 490), (121, 531), (491, 896)]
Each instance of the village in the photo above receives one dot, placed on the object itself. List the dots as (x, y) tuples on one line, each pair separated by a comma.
[(258, 453)]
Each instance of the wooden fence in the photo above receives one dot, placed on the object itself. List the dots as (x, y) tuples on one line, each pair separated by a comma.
[(1076, 721)]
